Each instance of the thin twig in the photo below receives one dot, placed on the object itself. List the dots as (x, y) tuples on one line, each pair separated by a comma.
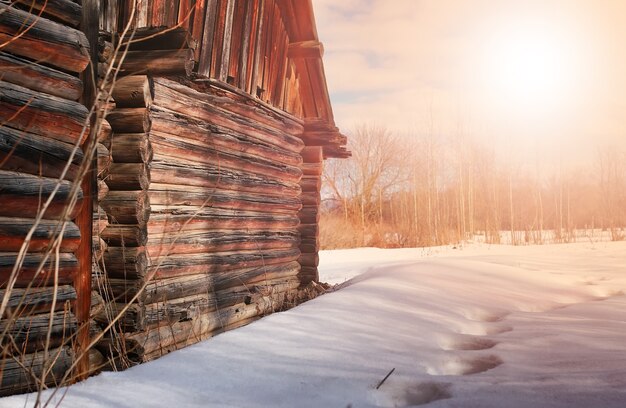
[(385, 379)]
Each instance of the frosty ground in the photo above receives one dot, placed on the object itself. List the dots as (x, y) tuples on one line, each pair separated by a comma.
[(474, 326)]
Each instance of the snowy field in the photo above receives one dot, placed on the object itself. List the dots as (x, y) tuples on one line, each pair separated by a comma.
[(479, 326)]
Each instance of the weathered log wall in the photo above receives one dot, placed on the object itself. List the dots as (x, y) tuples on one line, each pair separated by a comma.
[(202, 207), (42, 128)]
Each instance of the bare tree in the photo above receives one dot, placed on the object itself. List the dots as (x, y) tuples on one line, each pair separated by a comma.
[(375, 169)]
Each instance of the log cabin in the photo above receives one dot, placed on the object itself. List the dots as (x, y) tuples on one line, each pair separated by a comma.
[(160, 176)]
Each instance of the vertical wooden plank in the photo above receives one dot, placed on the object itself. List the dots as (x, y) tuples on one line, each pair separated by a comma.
[(307, 98), (170, 13), (288, 80), (218, 39), (156, 7), (257, 85), (82, 280), (197, 26), (185, 13), (255, 48), (208, 36), (227, 41), (123, 14), (273, 54), (246, 41), (267, 44), (282, 74), (142, 13), (319, 87), (279, 31), (236, 47)]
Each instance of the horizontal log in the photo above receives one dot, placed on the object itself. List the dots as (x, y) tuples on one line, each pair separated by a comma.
[(127, 263), (158, 62), (46, 115), (39, 155), (23, 195), (105, 50), (309, 230), (131, 148), (100, 221), (64, 11), (133, 91), (336, 152), (324, 138), (193, 242), (181, 265), (13, 232), (103, 190), (199, 132), (97, 361), (103, 160), (143, 345), (106, 103), (306, 49), (99, 247), (40, 39), (309, 214), (132, 319), (201, 106), (39, 78), (191, 307), (311, 183), (182, 286), (311, 259), (124, 235), (312, 155), (32, 299), (129, 120), (312, 169), (30, 273), (309, 246), (28, 333), (128, 176), (213, 176), (309, 274), (235, 324), (102, 69), (127, 207), (310, 198), (319, 125), (168, 219), (24, 373), (105, 133), (180, 151), (231, 99), (178, 195)]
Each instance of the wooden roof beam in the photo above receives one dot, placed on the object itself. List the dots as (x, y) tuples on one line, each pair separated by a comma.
[(323, 138), (306, 49)]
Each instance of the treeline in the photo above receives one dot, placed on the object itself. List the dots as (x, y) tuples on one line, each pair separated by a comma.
[(424, 190)]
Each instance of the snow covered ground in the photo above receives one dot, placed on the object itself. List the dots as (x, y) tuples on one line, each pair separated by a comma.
[(479, 326)]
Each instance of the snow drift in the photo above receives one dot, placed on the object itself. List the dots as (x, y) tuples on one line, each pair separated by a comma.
[(479, 326)]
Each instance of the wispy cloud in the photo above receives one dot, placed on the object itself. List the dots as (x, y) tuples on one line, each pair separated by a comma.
[(397, 62)]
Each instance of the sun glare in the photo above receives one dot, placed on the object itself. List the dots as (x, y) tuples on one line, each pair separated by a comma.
[(529, 68)]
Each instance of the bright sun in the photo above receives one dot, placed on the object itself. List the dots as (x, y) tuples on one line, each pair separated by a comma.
[(529, 68)]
